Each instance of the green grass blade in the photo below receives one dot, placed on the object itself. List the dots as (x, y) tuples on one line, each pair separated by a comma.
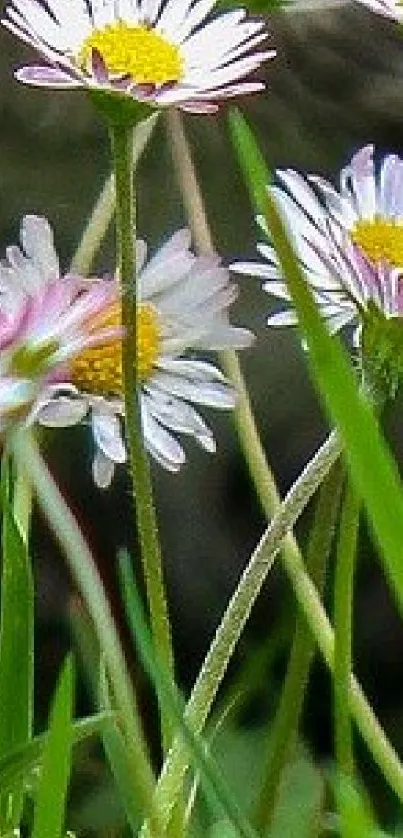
[(49, 813), (16, 652), (372, 467), (210, 775), (355, 819), (114, 746), (24, 760), (253, 165)]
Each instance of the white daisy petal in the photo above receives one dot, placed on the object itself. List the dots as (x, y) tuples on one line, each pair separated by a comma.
[(61, 412), (108, 436), (183, 305), (209, 393), (191, 60), (102, 470), (161, 444), (387, 8)]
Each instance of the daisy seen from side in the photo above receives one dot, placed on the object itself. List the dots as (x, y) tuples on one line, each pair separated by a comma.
[(162, 53), (350, 245), (349, 240)]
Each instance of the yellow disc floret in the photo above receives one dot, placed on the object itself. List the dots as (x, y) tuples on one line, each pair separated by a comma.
[(136, 51), (381, 240), (99, 369)]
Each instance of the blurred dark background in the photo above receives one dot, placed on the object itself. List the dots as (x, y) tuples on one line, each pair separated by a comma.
[(336, 84)]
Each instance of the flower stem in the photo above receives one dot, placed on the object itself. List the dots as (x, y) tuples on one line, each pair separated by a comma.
[(122, 152), (305, 592), (343, 616), (284, 731), (235, 618), (85, 573), (259, 469), (102, 214)]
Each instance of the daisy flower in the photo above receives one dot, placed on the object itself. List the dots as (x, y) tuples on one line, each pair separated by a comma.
[(182, 308), (43, 322), (349, 241), (162, 53)]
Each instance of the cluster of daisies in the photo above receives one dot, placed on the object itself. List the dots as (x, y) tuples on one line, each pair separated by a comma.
[(61, 339), (61, 336)]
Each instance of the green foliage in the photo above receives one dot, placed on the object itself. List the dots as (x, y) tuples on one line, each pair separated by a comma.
[(382, 350), (49, 814), (217, 789), (299, 810), (257, 6), (114, 746), (23, 761), (355, 819), (16, 653)]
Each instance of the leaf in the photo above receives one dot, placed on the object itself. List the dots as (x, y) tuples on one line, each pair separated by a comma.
[(114, 746), (355, 819), (16, 653), (371, 464), (300, 805), (24, 760), (49, 813)]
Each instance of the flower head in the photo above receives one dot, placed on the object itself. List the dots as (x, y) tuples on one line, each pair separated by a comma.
[(44, 322), (162, 53), (349, 240), (182, 307), (350, 245)]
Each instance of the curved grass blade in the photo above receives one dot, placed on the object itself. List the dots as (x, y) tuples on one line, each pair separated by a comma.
[(210, 775)]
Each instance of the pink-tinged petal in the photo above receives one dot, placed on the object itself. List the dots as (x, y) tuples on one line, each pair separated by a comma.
[(85, 308), (74, 345), (99, 68), (13, 326), (38, 244), (46, 307), (43, 76)]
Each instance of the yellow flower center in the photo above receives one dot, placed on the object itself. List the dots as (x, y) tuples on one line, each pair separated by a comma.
[(136, 51), (99, 369), (380, 239)]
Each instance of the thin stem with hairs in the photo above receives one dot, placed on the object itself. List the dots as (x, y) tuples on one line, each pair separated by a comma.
[(85, 573), (236, 616), (122, 153), (343, 619), (284, 731)]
